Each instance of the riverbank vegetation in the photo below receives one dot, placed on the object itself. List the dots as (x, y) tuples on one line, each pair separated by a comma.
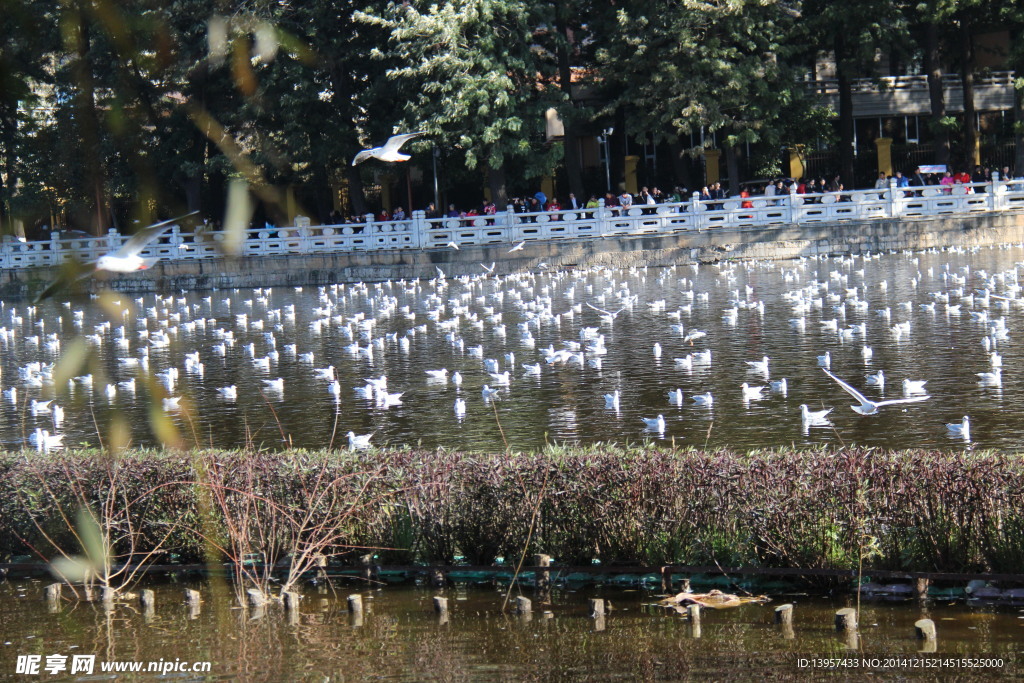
[(918, 510)]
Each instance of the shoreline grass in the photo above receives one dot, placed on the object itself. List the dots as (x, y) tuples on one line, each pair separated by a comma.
[(919, 510)]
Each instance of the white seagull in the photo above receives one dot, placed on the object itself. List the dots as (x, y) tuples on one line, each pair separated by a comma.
[(751, 393), (962, 430), (388, 151), (611, 401), (867, 406), (655, 424), (914, 387), (358, 441), (126, 259), (876, 380), (703, 399), (760, 366), (518, 247), (815, 418)]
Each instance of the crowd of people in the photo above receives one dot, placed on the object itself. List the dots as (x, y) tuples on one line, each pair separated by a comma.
[(812, 188)]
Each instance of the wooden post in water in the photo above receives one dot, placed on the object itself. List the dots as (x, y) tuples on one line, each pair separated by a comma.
[(693, 611), (921, 589), (256, 597), (355, 603), (441, 607), (369, 568), (53, 592), (596, 607), (543, 584), (523, 605), (666, 579), (193, 599), (321, 566), (291, 601), (784, 618), (925, 629), (107, 595), (437, 578), (846, 619), (147, 599)]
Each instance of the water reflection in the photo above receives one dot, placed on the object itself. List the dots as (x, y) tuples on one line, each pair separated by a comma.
[(283, 365), (400, 635)]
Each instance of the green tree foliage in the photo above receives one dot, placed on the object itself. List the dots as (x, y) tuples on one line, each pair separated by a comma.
[(475, 81), (714, 67)]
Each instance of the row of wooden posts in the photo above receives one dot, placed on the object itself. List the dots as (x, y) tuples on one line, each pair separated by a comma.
[(845, 618)]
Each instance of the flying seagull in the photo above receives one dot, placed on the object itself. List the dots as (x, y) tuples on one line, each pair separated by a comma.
[(867, 406), (124, 260), (518, 247), (389, 151)]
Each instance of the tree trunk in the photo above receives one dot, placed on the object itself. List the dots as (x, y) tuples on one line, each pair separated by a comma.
[(967, 82), (846, 131), (680, 167), (88, 119), (732, 168), (571, 142), (9, 126), (936, 96), (342, 99), (1018, 135), (496, 181), (356, 194)]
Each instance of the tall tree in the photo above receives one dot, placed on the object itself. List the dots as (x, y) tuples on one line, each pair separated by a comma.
[(720, 66), (475, 83), (854, 32), (25, 37)]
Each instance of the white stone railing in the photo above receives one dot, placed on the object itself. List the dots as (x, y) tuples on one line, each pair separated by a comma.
[(509, 228)]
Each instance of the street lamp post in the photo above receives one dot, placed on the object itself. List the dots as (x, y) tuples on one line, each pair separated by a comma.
[(437, 195), (607, 158)]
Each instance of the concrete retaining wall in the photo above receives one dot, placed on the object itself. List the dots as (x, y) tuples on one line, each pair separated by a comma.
[(708, 246)]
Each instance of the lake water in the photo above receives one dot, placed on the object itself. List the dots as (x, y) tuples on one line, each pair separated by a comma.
[(400, 637), (747, 311)]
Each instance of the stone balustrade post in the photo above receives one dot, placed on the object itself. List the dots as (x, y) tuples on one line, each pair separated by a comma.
[(419, 228), (602, 215), (996, 192), (113, 239), (695, 209), (895, 199)]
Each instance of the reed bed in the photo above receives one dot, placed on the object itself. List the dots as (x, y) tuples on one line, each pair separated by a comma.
[(915, 510)]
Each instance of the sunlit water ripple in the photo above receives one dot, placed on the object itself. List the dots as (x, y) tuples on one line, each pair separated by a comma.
[(565, 403)]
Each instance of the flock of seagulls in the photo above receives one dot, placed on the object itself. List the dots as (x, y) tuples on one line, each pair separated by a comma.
[(473, 342)]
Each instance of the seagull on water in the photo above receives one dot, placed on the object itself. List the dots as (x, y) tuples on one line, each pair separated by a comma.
[(703, 399), (751, 393), (779, 386), (611, 401), (962, 430), (992, 379), (655, 424), (388, 151), (675, 397), (359, 441), (760, 366), (867, 406), (876, 379), (814, 418), (914, 387)]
